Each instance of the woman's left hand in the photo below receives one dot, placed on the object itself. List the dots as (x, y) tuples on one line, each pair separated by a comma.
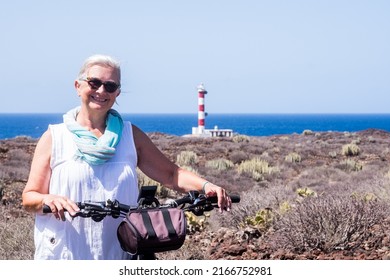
[(224, 201)]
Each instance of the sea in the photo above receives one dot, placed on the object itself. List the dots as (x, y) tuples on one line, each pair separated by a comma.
[(33, 125)]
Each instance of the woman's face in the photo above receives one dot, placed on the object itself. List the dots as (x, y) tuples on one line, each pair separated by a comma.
[(94, 95)]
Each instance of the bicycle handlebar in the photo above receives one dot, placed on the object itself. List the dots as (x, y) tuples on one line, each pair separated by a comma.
[(197, 204)]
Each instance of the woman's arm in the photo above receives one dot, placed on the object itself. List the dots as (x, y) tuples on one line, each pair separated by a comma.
[(36, 191), (157, 166)]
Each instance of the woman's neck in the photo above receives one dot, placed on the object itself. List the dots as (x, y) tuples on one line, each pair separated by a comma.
[(95, 123)]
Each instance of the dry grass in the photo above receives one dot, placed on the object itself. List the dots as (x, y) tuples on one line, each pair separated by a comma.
[(16, 235), (330, 222)]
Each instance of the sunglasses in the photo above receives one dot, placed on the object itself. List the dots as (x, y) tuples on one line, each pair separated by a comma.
[(95, 83)]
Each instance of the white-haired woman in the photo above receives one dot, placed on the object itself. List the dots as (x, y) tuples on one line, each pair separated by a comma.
[(93, 155)]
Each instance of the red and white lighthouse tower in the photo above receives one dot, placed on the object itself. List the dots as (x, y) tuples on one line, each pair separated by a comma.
[(200, 130), (201, 109)]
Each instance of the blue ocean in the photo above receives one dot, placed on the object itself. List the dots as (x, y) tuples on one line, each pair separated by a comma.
[(33, 125)]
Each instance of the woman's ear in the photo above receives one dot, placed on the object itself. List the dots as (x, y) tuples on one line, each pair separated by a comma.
[(77, 86)]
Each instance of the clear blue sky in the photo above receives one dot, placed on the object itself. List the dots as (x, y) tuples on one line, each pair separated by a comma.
[(253, 56)]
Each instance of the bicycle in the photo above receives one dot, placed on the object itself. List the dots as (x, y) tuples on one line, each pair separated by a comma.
[(193, 202)]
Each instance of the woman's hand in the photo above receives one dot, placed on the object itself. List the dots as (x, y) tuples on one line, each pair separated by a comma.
[(58, 204), (224, 201)]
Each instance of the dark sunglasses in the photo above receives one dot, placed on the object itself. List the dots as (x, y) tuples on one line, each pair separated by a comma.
[(96, 83)]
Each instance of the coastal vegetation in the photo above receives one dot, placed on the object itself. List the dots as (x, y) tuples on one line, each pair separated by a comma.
[(314, 195)]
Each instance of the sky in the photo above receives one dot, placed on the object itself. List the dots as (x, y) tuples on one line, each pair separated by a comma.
[(253, 56)]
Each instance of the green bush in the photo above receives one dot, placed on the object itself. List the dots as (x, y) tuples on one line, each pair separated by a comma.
[(262, 220), (305, 192), (256, 167), (240, 138), (350, 150), (351, 165), (307, 132), (187, 158), (293, 157), (219, 164)]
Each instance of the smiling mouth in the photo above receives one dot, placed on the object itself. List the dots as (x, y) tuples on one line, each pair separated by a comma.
[(101, 100)]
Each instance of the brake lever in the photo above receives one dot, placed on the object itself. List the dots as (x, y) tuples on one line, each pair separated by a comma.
[(96, 210), (200, 200), (200, 205)]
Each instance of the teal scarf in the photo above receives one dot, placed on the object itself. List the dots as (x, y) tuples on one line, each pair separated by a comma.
[(90, 148)]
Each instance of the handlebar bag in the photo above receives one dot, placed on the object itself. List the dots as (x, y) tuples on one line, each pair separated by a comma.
[(152, 230)]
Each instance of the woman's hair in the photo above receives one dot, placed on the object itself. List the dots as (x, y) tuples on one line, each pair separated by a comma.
[(101, 60)]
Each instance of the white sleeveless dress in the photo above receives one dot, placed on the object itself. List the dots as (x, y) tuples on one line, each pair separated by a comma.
[(82, 238)]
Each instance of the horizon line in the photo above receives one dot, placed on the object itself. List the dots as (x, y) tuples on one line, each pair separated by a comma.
[(222, 113)]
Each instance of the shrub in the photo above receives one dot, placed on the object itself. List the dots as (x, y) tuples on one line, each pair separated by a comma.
[(196, 223), (17, 166), (240, 138), (256, 167), (307, 132), (238, 156), (305, 192), (293, 157), (186, 158), (329, 223), (356, 141), (219, 164), (351, 165), (275, 199), (332, 154), (350, 150), (262, 220)]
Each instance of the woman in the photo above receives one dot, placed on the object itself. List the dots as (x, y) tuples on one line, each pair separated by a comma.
[(93, 155)]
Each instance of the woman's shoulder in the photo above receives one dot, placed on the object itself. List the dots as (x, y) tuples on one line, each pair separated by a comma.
[(141, 139), (57, 125), (137, 132), (45, 141), (57, 128)]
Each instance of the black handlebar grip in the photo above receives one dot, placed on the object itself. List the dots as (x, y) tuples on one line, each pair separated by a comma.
[(46, 209), (234, 197), (182, 200)]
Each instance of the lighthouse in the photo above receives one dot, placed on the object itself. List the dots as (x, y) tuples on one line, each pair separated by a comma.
[(201, 109), (200, 130)]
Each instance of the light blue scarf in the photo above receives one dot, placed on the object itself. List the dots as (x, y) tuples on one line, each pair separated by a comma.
[(90, 148)]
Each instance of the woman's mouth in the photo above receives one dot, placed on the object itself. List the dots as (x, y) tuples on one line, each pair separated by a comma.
[(99, 99)]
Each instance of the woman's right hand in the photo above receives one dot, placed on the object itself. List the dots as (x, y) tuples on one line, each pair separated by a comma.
[(58, 204)]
